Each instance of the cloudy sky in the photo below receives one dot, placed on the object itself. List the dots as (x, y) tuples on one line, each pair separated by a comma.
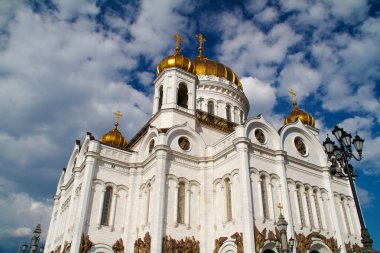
[(67, 65)]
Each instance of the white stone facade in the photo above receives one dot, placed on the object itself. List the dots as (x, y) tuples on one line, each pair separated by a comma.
[(145, 183)]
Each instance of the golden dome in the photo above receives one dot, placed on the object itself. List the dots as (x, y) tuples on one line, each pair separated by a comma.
[(204, 66), (114, 137), (176, 60), (296, 113)]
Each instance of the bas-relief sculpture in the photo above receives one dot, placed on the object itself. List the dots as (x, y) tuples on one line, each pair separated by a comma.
[(143, 246), (189, 245)]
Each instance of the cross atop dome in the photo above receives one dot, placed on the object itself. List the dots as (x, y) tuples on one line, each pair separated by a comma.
[(201, 40), (118, 115), (293, 95), (178, 39)]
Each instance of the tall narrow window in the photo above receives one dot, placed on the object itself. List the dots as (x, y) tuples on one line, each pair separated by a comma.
[(228, 199), (228, 112), (210, 108), (241, 117), (264, 197), (345, 216), (300, 206), (181, 203), (160, 98), (318, 209), (182, 98), (106, 206), (309, 208)]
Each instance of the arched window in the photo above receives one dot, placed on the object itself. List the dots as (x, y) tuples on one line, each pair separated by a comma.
[(264, 197), (181, 203), (161, 93), (106, 206), (241, 117), (300, 205), (210, 108), (345, 216), (228, 199), (151, 146), (228, 112), (309, 208), (318, 209), (182, 98), (268, 251)]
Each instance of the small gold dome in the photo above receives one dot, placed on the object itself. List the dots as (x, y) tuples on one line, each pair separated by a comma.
[(305, 118), (296, 113), (114, 137), (176, 60)]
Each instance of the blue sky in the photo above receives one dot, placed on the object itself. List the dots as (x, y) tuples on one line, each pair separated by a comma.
[(67, 65)]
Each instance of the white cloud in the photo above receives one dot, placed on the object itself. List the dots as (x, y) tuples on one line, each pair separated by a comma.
[(268, 15), (366, 198), (146, 78), (20, 213), (262, 96)]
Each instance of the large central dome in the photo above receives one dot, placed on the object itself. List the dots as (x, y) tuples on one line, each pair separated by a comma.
[(204, 66)]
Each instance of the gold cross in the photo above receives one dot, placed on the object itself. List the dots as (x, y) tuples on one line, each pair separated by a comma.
[(178, 40), (117, 116), (201, 39), (293, 95), (280, 207)]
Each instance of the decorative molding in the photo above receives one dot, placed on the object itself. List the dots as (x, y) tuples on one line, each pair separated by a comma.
[(355, 248)]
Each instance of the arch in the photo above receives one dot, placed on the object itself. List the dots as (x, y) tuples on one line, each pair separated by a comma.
[(272, 137), (228, 246), (182, 96), (317, 246), (106, 208), (101, 248), (210, 108)]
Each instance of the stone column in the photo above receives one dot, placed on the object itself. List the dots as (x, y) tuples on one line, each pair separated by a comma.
[(175, 211), (241, 145), (159, 193), (187, 207)]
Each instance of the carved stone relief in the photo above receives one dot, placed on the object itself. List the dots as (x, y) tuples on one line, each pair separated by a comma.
[(118, 247), (355, 248), (86, 244), (238, 241), (143, 246), (304, 242), (187, 245)]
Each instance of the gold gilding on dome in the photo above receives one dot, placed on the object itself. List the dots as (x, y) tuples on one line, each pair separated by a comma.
[(114, 137), (204, 66), (296, 113), (176, 60)]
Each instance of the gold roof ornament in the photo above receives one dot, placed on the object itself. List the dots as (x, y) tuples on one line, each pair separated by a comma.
[(114, 137), (296, 113), (204, 66), (176, 60)]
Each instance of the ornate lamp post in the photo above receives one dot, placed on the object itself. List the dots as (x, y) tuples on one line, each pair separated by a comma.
[(284, 246), (341, 155), (34, 242)]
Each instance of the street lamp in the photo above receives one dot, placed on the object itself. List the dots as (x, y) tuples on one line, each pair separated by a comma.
[(340, 157), (34, 242), (283, 246)]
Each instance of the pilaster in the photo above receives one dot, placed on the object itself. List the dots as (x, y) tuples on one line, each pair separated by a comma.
[(241, 145), (159, 193)]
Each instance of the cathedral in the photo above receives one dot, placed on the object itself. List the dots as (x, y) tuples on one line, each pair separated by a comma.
[(200, 176)]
